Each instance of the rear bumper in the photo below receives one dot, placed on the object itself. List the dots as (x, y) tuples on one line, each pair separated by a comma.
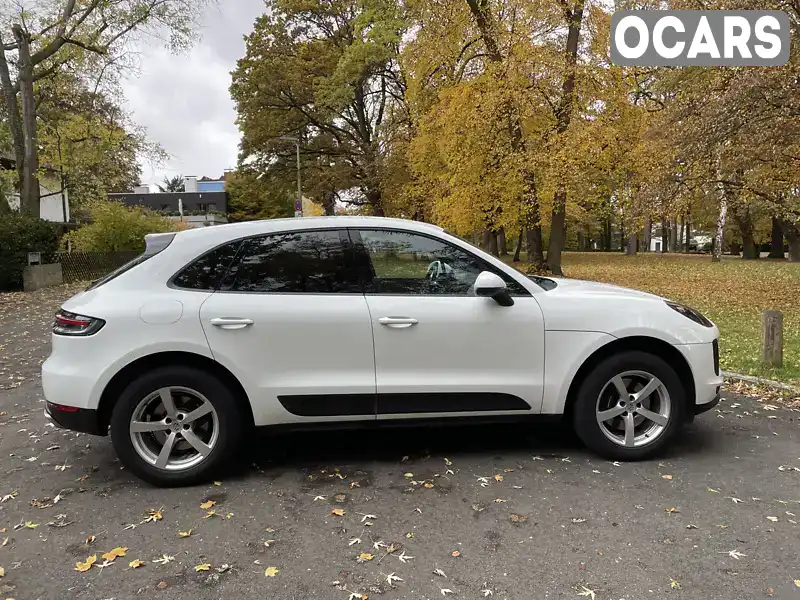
[(84, 420)]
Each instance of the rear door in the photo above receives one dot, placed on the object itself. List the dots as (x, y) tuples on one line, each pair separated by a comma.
[(291, 322)]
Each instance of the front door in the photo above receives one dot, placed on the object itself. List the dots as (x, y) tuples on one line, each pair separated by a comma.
[(292, 324), (439, 349)]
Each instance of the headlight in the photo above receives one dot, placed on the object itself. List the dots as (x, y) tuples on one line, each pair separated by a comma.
[(690, 313)]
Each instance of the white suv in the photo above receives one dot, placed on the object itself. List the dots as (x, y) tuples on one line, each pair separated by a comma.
[(295, 322)]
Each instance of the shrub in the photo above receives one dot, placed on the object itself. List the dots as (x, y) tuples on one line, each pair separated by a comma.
[(21, 233), (115, 227)]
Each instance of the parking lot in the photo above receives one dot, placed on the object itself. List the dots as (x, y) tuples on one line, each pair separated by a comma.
[(500, 512)]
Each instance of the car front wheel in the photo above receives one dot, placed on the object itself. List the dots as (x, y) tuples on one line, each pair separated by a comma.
[(175, 426), (629, 406)]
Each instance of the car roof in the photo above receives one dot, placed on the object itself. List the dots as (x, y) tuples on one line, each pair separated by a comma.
[(232, 231)]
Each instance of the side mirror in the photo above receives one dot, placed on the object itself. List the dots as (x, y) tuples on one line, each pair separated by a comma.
[(491, 285)]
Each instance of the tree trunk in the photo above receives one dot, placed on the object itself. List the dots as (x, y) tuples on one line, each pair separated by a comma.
[(744, 220), (647, 232), (673, 235), (492, 243), (607, 234), (485, 239), (633, 242), (682, 234), (518, 249), (329, 203), (776, 247), (792, 233), (664, 234), (622, 244), (501, 242), (581, 242), (29, 184), (558, 221), (12, 112), (716, 251), (535, 247), (687, 234)]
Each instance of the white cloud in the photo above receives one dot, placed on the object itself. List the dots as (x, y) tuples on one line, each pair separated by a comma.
[(183, 100)]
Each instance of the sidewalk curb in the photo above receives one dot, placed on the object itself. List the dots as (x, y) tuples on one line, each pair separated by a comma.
[(760, 381)]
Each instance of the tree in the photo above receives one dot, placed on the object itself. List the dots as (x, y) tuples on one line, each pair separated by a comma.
[(324, 72), (42, 42), (173, 184), (258, 197), (114, 227)]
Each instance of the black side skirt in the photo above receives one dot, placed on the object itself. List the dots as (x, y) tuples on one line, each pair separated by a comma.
[(330, 405)]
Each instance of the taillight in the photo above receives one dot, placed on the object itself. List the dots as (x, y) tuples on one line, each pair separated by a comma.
[(68, 323)]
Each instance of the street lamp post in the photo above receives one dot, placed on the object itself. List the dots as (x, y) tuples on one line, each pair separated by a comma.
[(298, 205)]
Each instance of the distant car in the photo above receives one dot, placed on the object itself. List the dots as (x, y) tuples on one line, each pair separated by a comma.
[(358, 320)]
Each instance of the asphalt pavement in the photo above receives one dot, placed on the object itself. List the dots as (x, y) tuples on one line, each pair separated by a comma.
[(500, 512)]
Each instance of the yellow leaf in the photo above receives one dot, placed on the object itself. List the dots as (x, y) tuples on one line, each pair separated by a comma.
[(135, 564), (713, 491), (2, 572), (455, 554), (773, 519), (82, 567), (207, 505), (228, 515), (217, 483), (797, 582), (671, 510), (354, 484), (674, 584), (339, 512), (408, 475), (428, 484), (666, 477), (184, 533), (271, 572), (31, 525), (210, 514), (366, 556), (202, 567), (410, 535), (498, 477), (112, 555)]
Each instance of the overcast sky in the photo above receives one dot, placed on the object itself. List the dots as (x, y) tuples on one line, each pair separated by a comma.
[(183, 101)]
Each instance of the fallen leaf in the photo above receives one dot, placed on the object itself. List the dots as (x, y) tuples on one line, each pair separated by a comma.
[(440, 573), (690, 526), (31, 525), (448, 462), (82, 567), (498, 477), (446, 591), (734, 554), (365, 556), (455, 554), (228, 515), (404, 557), (408, 475), (587, 592), (164, 559), (271, 572), (153, 516), (427, 484), (518, 518), (499, 500), (354, 484), (671, 510), (90, 539), (674, 584), (734, 500), (162, 585), (202, 567), (339, 512), (208, 504), (135, 564), (104, 564), (354, 540), (113, 554), (773, 519), (367, 517), (357, 596), (666, 477), (217, 483), (2, 572), (576, 520), (409, 535), (184, 534), (797, 582), (391, 578), (209, 514), (713, 491)]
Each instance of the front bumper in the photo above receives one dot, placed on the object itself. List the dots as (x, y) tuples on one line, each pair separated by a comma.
[(84, 420), (701, 408)]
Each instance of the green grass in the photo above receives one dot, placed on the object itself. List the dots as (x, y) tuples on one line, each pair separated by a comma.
[(732, 293)]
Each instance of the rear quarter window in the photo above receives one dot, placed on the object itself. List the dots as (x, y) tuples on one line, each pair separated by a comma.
[(206, 272)]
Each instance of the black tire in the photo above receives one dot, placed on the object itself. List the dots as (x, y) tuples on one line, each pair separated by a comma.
[(230, 423), (585, 418)]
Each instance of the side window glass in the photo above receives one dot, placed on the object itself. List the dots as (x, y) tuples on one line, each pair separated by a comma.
[(206, 272), (294, 262)]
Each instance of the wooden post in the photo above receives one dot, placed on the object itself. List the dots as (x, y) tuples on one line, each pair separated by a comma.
[(772, 337)]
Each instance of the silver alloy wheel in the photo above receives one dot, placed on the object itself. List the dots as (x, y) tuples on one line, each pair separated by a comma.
[(633, 409), (174, 428)]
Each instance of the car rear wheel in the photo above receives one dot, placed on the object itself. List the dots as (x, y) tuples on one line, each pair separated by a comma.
[(175, 426), (629, 406)]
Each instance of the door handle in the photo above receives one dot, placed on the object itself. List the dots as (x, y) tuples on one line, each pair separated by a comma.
[(231, 322), (397, 322)]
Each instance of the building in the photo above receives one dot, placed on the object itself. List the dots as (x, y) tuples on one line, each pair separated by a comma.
[(194, 207), (53, 199)]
